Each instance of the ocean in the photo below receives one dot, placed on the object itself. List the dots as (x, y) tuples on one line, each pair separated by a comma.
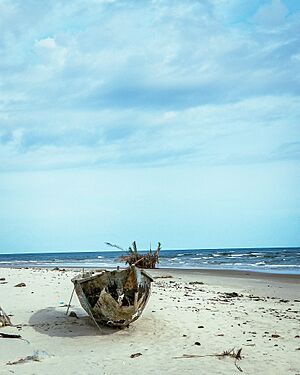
[(275, 260)]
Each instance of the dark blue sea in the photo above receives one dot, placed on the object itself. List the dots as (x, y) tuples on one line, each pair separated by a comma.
[(276, 260)]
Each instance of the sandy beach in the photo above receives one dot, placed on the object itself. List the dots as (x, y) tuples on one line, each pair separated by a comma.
[(191, 317)]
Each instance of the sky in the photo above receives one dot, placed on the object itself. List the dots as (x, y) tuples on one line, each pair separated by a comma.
[(171, 121)]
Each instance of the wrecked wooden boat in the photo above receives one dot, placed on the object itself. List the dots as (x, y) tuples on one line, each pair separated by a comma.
[(114, 298)]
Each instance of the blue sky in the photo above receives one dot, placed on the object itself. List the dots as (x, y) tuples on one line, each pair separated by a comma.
[(171, 121)]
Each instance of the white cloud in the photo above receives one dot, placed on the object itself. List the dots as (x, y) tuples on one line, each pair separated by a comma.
[(272, 14), (46, 43), (252, 129), (50, 53), (158, 82)]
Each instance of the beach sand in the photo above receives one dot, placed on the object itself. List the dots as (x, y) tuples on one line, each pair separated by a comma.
[(189, 313)]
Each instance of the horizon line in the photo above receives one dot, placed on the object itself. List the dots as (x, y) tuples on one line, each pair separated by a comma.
[(142, 250)]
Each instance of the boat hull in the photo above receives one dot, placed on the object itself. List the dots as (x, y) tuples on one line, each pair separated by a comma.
[(114, 298)]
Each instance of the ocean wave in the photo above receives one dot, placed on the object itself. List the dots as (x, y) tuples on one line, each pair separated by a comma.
[(19, 261), (268, 260), (282, 265)]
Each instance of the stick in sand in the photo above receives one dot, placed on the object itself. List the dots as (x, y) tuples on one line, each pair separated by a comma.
[(70, 300)]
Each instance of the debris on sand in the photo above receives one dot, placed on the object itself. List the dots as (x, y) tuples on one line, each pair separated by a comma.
[(231, 353), (275, 336), (226, 353), (4, 319), (20, 285), (135, 355), (232, 295), (73, 314), (9, 336), (12, 336), (37, 356)]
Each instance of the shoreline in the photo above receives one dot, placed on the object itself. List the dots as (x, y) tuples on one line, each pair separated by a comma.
[(250, 274), (236, 273)]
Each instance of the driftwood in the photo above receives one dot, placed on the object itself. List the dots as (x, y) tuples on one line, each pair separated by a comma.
[(148, 260), (29, 358), (9, 336), (20, 285), (37, 356), (4, 319), (12, 336), (134, 258)]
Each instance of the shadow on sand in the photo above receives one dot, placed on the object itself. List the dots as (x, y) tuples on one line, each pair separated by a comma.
[(54, 322)]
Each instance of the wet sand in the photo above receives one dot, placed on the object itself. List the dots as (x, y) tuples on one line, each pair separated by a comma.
[(191, 314)]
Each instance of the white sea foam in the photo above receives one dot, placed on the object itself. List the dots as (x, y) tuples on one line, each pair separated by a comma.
[(237, 255), (283, 265), (22, 261)]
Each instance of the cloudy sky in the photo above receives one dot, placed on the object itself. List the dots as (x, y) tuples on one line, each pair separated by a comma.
[(171, 121)]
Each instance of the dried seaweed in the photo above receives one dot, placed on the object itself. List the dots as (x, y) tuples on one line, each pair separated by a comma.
[(37, 356), (226, 353), (133, 257), (148, 260), (24, 360), (231, 353)]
